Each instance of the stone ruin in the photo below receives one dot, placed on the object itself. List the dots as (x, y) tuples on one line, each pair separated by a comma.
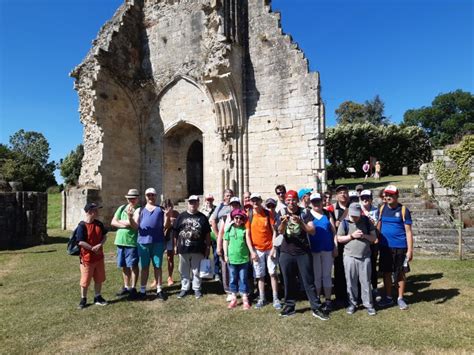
[(192, 97)]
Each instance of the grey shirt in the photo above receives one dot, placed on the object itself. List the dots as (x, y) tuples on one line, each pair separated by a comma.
[(220, 214), (357, 248)]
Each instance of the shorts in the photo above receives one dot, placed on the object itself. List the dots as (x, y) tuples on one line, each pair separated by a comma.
[(264, 258), (91, 271), (392, 259), (127, 256), (151, 252)]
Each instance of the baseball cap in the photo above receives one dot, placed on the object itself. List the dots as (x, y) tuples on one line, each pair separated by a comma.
[(315, 196), (354, 210), (193, 198), (353, 193), (255, 195), (391, 190), (304, 191), (291, 194), (235, 199), (270, 201), (366, 193), (91, 206), (359, 187), (238, 212), (132, 193), (150, 190), (341, 187), (209, 197)]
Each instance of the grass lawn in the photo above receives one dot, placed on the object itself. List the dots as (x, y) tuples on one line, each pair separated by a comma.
[(39, 292), (402, 182)]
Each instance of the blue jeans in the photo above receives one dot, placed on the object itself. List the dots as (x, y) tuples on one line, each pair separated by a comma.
[(238, 278), (217, 262)]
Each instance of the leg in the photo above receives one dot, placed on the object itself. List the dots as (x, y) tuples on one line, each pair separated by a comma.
[(195, 263), (134, 276), (157, 259), (365, 270), (225, 275), (271, 266), (289, 271), (217, 263), (127, 275), (317, 270), (184, 270), (326, 263), (259, 269), (374, 248), (352, 279), (170, 259), (340, 285), (305, 266), (144, 257), (233, 279)]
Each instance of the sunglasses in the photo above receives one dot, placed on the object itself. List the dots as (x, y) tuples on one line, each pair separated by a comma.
[(281, 193), (239, 217), (150, 195)]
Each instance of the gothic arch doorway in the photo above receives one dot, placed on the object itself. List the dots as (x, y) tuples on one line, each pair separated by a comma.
[(195, 169)]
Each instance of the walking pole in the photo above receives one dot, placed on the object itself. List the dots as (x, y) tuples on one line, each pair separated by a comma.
[(460, 233)]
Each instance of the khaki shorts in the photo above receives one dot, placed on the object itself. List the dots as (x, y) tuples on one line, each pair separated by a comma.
[(92, 270)]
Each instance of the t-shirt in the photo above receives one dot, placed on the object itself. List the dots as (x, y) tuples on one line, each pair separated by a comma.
[(358, 248), (323, 239), (150, 229), (261, 229), (220, 214), (372, 214), (125, 236), (295, 238), (191, 231), (93, 235), (237, 251), (392, 230)]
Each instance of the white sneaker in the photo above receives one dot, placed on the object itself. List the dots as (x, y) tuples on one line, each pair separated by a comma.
[(229, 297)]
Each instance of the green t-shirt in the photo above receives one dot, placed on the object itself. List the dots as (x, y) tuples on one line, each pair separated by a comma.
[(126, 237), (238, 251)]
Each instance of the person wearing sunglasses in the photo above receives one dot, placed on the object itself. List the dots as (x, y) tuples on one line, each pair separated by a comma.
[(126, 242), (280, 191)]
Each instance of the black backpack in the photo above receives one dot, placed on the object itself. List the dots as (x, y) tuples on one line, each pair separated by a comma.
[(72, 247)]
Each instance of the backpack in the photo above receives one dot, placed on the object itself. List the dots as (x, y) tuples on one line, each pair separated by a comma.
[(345, 224), (72, 247)]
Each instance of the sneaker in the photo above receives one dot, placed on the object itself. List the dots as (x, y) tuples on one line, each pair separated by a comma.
[(182, 294), (402, 304), (327, 306), (246, 305), (141, 296), (371, 311), (229, 297), (277, 304), (217, 277), (376, 295), (321, 314), (133, 294), (160, 296), (198, 294), (351, 309), (170, 281), (82, 304), (260, 304), (99, 300), (232, 304), (123, 292), (386, 302), (287, 311)]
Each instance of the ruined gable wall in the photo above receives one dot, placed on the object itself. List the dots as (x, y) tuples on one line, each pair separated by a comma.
[(283, 106)]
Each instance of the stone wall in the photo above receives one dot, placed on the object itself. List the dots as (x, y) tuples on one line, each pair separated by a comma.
[(75, 198), (23, 219), (448, 200)]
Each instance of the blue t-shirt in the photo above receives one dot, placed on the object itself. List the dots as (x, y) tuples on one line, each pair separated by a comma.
[(150, 229), (323, 239), (393, 228)]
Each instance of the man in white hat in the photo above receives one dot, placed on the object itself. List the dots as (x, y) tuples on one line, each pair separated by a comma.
[(356, 232), (126, 242), (151, 221)]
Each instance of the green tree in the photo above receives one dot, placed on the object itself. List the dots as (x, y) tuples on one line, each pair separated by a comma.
[(449, 117), (71, 165), (26, 160), (372, 111), (351, 145)]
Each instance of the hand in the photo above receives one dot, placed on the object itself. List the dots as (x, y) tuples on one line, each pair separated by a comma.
[(273, 253), (96, 248), (253, 256), (335, 252), (125, 223), (219, 251), (226, 259), (296, 219), (410, 255), (357, 234)]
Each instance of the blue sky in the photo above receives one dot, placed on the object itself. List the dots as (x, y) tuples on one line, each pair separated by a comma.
[(407, 51)]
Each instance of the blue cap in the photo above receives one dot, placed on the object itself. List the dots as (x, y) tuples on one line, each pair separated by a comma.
[(303, 192)]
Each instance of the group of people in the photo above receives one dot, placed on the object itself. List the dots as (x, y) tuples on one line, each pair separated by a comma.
[(300, 233)]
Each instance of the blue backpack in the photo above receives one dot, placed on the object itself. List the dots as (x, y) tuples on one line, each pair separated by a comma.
[(72, 247)]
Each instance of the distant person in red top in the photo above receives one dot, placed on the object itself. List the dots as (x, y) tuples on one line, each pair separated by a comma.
[(91, 236)]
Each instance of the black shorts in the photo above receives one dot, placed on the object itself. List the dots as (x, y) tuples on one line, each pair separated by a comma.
[(392, 259)]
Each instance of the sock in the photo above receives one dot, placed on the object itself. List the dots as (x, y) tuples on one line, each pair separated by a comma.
[(143, 289), (275, 296), (126, 287), (158, 288)]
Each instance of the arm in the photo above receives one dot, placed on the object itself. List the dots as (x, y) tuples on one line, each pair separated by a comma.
[(371, 237), (133, 218), (409, 233), (167, 222), (119, 224), (208, 245), (226, 245), (248, 239), (308, 227)]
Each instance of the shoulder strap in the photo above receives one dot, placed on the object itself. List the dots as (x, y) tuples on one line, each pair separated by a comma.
[(345, 225), (250, 215), (122, 208), (404, 211)]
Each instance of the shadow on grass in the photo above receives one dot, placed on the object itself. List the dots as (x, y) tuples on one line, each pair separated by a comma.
[(13, 252), (56, 240), (419, 286)]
